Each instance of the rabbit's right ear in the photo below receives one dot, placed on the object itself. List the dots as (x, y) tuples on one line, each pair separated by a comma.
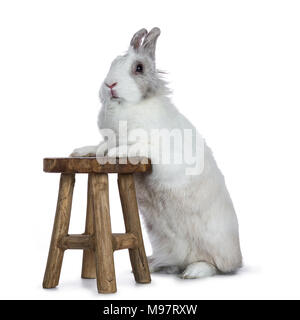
[(137, 38), (149, 42)]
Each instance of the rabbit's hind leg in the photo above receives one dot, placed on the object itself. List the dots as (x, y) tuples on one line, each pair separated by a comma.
[(169, 269), (154, 266), (200, 269)]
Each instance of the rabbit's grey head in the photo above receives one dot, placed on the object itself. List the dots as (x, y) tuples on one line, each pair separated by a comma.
[(133, 76)]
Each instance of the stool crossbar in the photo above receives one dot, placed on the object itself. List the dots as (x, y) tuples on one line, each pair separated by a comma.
[(98, 242)]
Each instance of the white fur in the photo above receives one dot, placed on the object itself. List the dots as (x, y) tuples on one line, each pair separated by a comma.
[(198, 270), (84, 151), (190, 219)]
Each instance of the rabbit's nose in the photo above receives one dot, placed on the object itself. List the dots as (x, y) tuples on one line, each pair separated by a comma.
[(112, 85)]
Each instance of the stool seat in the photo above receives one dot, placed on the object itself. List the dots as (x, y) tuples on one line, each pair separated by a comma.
[(97, 242), (96, 165)]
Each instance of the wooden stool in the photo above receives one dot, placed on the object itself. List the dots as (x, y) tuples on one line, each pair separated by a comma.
[(98, 242)]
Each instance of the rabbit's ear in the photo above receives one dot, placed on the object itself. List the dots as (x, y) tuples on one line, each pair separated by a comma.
[(137, 38), (149, 42)]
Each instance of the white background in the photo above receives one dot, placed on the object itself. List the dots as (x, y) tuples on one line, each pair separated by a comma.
[(234, 67)]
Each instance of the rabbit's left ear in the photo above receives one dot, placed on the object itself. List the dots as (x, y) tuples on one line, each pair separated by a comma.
[(149, 43), (137, 38)]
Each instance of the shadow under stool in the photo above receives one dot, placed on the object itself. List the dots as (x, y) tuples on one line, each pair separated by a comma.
[(98, 242)]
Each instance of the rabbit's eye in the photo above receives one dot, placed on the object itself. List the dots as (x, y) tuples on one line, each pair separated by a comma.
[(139, 68)]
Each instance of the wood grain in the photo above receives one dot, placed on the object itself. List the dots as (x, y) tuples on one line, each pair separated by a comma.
[(87, 242), (92, 165), (105, 269), (98, 242), (138, 257), (60, 229), (88, 270), (76, 241), (124, 241)]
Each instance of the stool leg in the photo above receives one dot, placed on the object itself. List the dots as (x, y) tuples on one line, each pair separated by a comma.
[(88, 259), (105, 269), (138, 257), (60, 228)]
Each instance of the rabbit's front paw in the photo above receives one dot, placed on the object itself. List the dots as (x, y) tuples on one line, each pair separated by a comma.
[(88, 151), (118, 152), (134, 150)]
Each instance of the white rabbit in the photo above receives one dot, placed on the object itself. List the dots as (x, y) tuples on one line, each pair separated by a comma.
[(190, 219)]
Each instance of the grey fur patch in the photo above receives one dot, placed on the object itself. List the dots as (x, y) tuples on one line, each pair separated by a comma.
[(149, 82)]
